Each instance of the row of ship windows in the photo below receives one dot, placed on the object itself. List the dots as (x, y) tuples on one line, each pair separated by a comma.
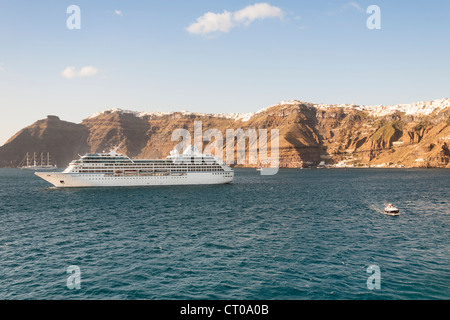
[(128, 163), (134, 178), (131, 177), (109, 171), (129, 169), (108, 159), (155, 166)]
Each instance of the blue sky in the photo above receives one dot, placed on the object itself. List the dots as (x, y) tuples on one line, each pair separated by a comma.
[(162, 56)]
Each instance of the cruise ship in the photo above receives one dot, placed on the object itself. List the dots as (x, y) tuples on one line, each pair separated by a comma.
[(117, 170)]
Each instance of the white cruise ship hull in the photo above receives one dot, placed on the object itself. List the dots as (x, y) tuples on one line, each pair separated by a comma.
[(78, 180)]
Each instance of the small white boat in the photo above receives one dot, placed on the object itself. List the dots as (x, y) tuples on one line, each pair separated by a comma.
[(391, 210)]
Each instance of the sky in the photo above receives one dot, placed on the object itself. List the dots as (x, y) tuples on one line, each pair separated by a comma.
[(215, 56)]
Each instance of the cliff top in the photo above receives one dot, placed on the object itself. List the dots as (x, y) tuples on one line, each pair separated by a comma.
[(417, 108)]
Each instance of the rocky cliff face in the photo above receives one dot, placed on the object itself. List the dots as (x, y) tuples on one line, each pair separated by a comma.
[(416, 135), (63, 140)]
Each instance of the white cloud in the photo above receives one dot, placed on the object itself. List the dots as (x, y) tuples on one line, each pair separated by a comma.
[(1, 68), (257, 11), (223, 22), (355, 5), (88, 71), (212, 22), (351, 4), (71, 72), (118, 12)]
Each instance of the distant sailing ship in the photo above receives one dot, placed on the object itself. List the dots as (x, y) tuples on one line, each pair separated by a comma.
[(32, 163)]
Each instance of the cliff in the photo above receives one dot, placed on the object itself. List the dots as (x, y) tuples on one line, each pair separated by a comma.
[(415, 135)]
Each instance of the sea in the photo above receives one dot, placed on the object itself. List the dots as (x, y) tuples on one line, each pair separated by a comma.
[(298, 235)]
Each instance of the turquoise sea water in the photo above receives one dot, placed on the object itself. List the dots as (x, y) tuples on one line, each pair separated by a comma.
[(301, 234)]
